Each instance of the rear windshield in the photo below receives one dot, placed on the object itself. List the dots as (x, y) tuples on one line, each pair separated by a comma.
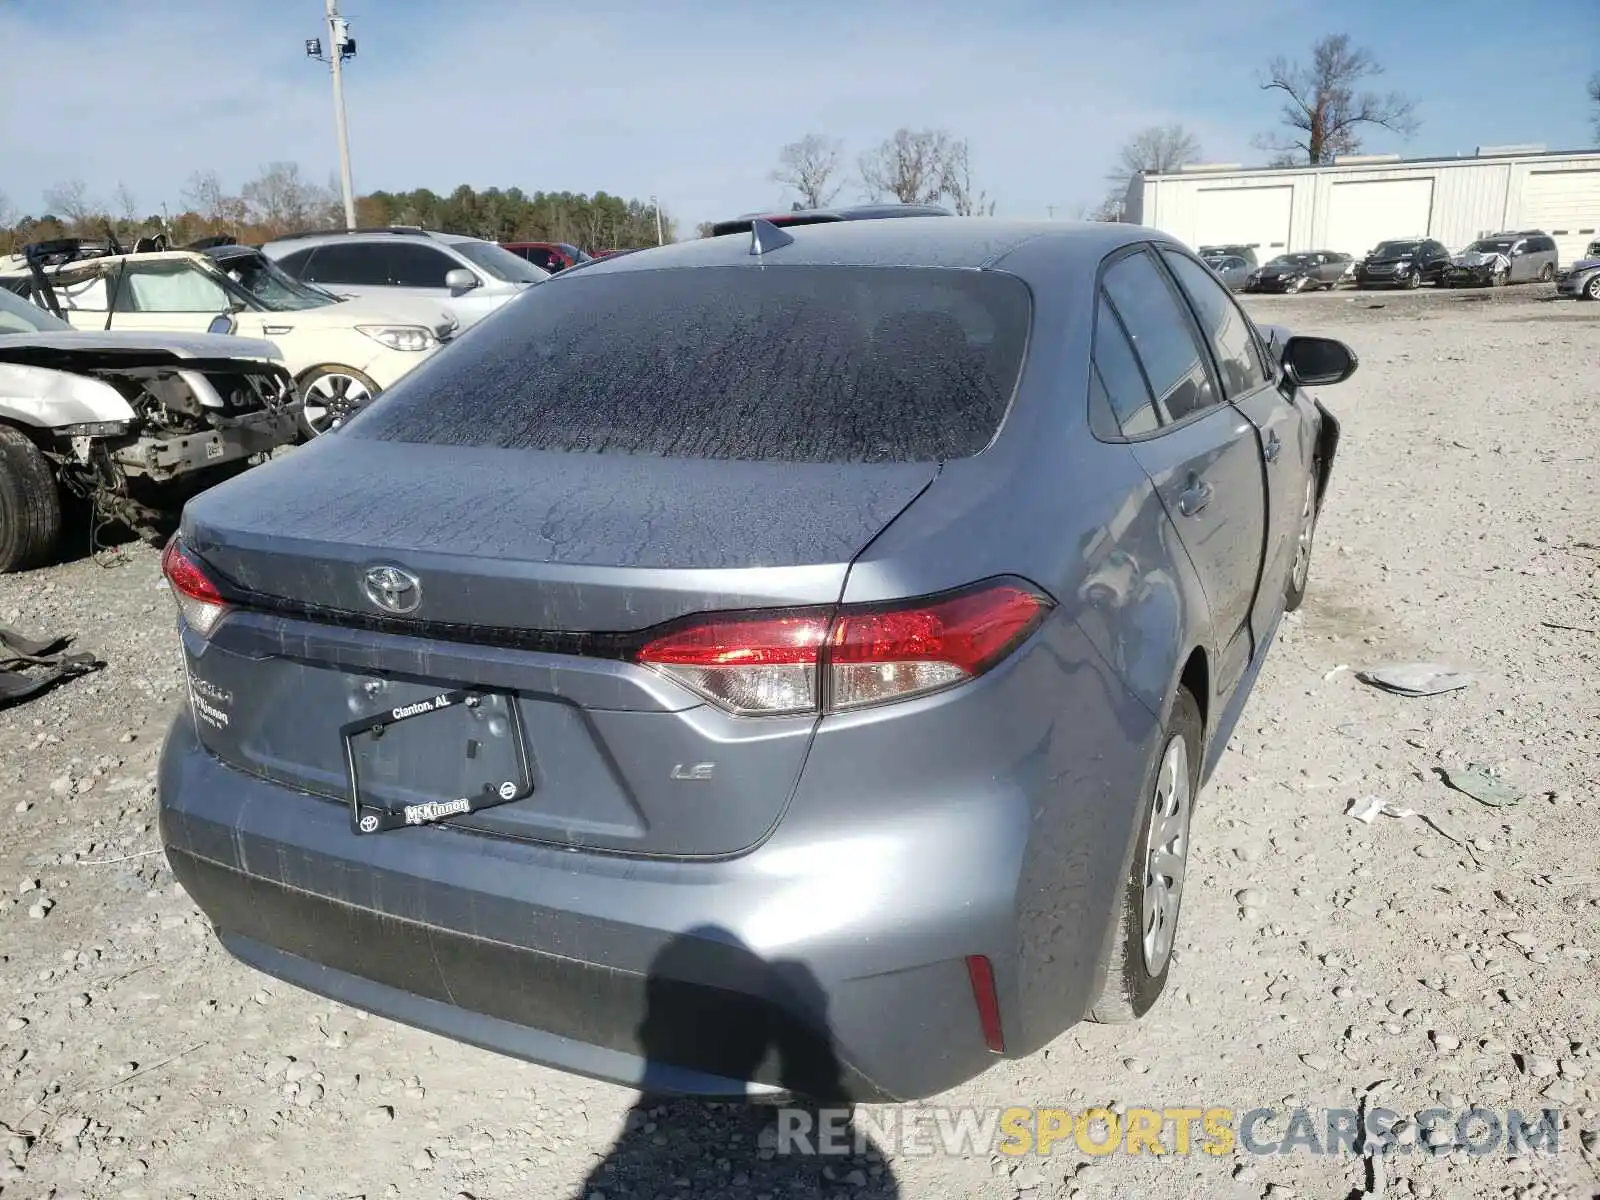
[(783, 364)]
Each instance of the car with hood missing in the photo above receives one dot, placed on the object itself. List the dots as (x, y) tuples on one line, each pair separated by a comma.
[(341, 352), (1404, 263), (864, 599), (1302, 272), (126, 425), (1528, 256)]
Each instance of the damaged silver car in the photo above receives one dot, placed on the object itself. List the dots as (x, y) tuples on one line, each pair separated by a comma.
[(123, 428)]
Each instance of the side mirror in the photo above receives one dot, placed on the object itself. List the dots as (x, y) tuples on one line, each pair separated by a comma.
[(222, 323), (460, 280), (1318, 361)]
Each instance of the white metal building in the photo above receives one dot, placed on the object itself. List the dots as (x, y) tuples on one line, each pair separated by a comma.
[(1355, 202)]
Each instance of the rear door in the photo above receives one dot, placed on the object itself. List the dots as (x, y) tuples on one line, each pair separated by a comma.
[(1248, 382), (1203, 456)]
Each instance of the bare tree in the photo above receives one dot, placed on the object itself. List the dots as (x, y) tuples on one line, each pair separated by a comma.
[(811, 168), (704, 229), (205, 196), (125, 206), (279, 197), (1594, 94), (70, 200), (1324, 112), (956, 184), (1160, 148), (910, 166)]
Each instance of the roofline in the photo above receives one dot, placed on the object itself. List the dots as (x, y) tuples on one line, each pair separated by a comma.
[(1199, 171)]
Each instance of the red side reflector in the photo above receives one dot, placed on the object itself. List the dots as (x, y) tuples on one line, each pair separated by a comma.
[(981, 973)]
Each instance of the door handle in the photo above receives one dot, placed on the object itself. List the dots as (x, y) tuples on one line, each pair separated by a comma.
[(1195, 497), (1273, 447)]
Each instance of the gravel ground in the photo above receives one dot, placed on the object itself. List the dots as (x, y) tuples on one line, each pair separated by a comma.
[(1413, 963)]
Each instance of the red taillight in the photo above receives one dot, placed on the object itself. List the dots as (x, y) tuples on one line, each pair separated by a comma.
[(981, 973), (199, 601), (771, 664), (760, 664), (889, 654)]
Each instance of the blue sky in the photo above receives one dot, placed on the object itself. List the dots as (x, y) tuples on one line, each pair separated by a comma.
[(692, 99)]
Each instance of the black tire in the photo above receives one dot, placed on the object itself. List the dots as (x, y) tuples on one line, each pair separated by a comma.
[(1547, 273), (355, 380), (1591, 290), (1413, 280), (1132, 988), (30, 505), (1299, 580)]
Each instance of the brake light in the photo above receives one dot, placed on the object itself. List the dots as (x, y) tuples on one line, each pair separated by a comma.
[(893, 653), (199, 602), (825, 659)]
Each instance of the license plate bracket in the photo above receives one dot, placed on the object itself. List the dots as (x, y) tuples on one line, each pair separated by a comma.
[(442, 756)]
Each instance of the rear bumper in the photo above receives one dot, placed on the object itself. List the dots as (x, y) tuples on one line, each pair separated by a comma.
[(829, 961)]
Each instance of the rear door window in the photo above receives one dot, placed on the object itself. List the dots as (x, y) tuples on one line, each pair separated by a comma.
[(1162, 337), (789, 364), (352, 263)]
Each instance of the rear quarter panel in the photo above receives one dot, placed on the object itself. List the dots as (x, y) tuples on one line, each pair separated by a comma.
[(1080, 518)]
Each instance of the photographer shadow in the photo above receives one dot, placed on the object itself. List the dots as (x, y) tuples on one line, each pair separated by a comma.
[(705, 1134)]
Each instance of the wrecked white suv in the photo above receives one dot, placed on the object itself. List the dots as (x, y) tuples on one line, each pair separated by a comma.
[(122, 428)]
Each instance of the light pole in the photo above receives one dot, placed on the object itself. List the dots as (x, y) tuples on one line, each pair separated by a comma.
[(341, 47), (660, 237)]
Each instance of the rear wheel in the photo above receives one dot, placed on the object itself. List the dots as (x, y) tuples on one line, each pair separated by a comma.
[(30, 505), (1547, 273), (330, 394), (1147, 921), (1591, 290)]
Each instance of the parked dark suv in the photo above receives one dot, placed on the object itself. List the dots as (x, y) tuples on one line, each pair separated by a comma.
[(1407, 263)]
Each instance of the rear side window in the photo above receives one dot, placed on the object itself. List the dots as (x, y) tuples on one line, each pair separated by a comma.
[(1117, 374), (348, 263), (1162, 339), (295, 263), (783, 364)]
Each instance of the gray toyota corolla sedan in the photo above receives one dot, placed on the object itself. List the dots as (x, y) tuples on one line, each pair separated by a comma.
[(820, 632)]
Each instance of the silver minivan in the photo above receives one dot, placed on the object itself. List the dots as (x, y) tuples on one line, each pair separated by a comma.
[(468, 276)]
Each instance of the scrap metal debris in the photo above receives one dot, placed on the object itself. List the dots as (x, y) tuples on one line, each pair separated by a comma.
[(1369, 808), (1415, 679), (29, 666), (1482, 784)]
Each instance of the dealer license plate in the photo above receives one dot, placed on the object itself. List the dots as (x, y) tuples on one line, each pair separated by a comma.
[(444, 755)]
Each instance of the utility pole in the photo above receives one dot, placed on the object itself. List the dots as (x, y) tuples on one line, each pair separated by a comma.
[(660, 237), (340, 47)]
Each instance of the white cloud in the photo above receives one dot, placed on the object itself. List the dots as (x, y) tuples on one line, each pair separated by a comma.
[(693, 108)]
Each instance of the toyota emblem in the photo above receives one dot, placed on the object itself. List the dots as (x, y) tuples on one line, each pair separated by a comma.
[(392, 589)]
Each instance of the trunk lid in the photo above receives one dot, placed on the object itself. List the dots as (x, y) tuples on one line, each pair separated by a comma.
[(507, 544)]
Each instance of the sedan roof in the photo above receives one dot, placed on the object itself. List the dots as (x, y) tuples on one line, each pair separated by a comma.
[(970, 242)]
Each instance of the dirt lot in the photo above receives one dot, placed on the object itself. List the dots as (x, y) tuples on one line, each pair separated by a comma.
[(1445, 963)]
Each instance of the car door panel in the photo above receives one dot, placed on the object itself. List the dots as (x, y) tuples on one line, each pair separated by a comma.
[(1204, 460), (1250, 378)]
